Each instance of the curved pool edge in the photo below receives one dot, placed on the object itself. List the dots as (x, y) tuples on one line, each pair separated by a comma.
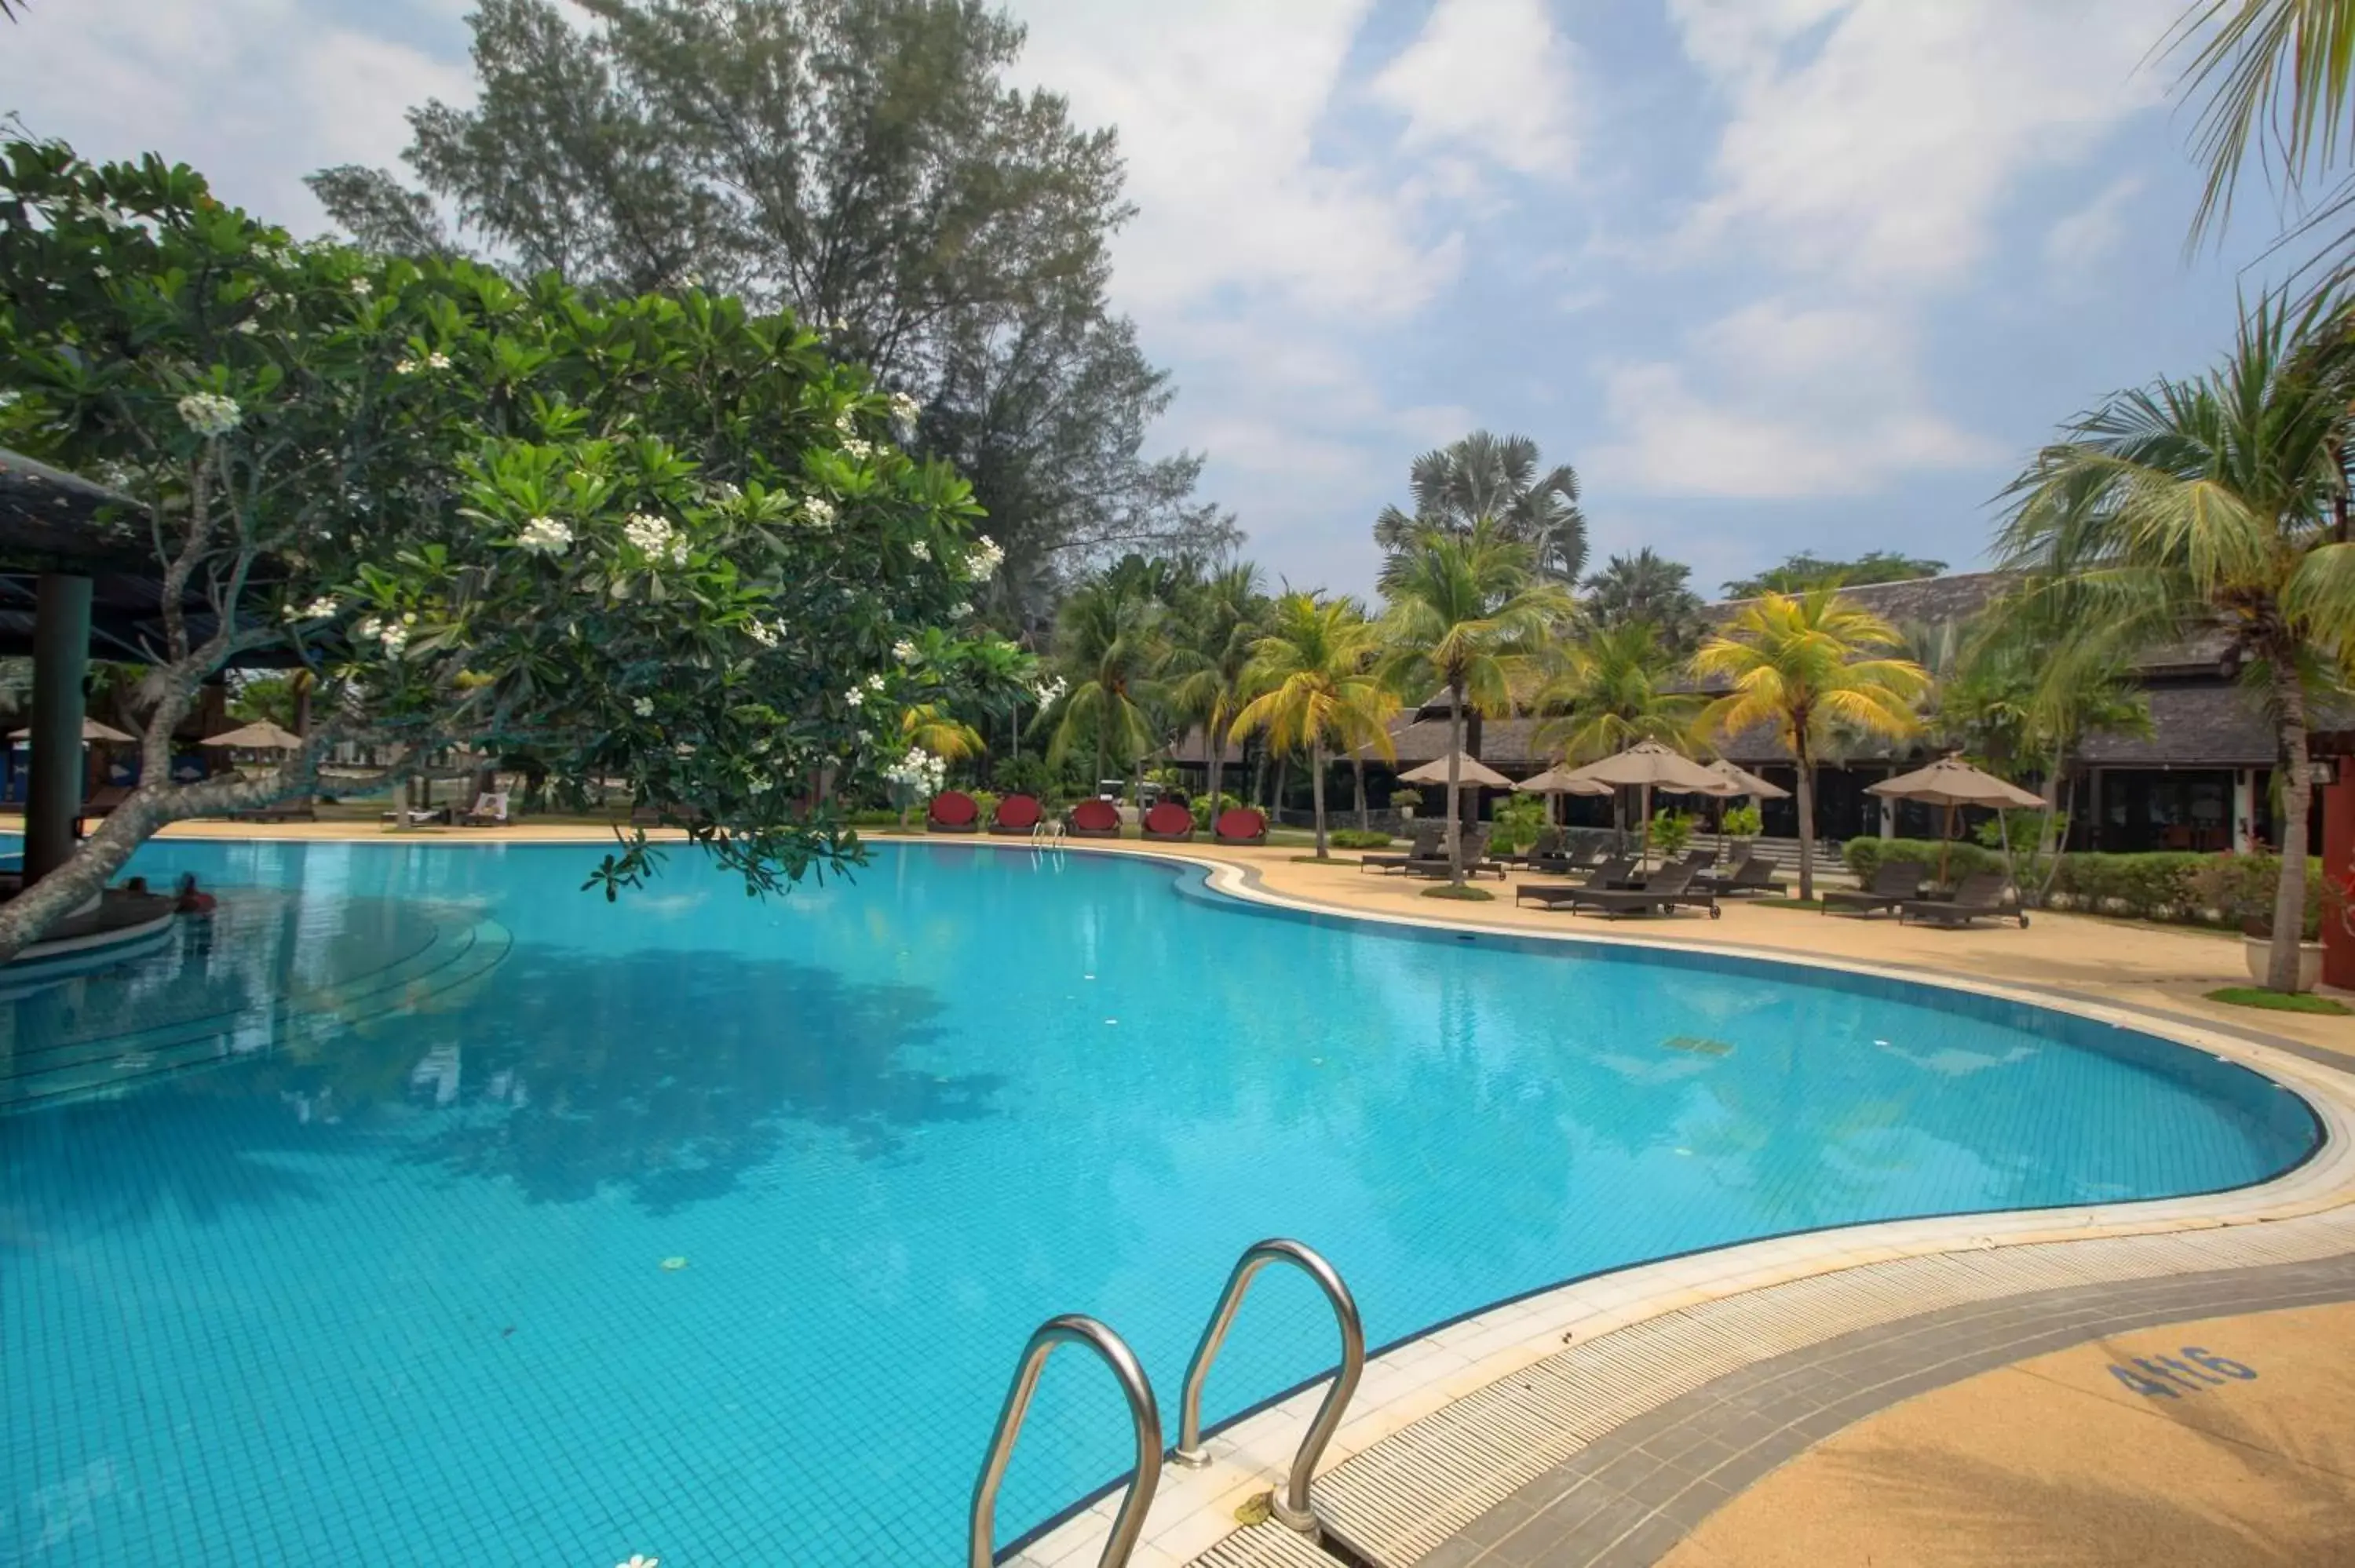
[(1420, 1375)]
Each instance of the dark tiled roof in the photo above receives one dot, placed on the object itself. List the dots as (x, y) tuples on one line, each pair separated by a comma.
[(1915, 600), (2193, 726)]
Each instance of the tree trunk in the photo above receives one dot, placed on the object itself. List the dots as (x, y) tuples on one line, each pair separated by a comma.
[(1806, 803), (1275, 796), (1455, 773), (1316, 791), (1214, 752), (1365, 819), (2289, 898)]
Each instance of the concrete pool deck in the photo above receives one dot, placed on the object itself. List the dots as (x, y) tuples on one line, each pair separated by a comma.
[(1492, 1443)]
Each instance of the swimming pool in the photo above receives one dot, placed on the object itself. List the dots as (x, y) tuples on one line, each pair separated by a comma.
[(441, 1212)]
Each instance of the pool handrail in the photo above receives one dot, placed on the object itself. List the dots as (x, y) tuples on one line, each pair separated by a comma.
[(1290, 1505), (1145, 1414)]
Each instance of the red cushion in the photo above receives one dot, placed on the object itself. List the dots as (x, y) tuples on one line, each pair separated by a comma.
[(1243, 822), (1170, 817), (1019, 811), (1095, 813), (954, 808)]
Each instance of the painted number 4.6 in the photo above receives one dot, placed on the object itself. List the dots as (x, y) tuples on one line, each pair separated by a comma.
[(2166, 1377)]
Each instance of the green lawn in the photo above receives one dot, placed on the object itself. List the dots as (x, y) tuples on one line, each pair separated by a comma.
[(2280, 1001)]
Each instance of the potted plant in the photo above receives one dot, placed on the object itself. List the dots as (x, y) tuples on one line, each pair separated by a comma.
[(1741, 824), (2239, 888)]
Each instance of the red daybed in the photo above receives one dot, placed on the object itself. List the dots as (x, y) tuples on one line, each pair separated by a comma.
[(953, 811), (1015, 816), (1096, 819), (1169, 822), (1239, 826)]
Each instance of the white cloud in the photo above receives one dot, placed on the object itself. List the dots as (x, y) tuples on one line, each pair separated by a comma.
[(1885, 150), (1492, 74), (2086, 238), (252, 93), (1797, 402)]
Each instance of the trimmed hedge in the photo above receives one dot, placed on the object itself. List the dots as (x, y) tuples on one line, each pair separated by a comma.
[(1864, 856), (1359, 838)]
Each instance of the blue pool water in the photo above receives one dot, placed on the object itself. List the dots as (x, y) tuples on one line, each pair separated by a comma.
[(360, 1255)]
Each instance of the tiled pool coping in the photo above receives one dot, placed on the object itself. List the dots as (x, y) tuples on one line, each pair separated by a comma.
[(1194, 1511)]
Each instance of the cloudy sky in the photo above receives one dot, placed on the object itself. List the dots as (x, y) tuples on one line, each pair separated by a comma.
[(1772, 274)]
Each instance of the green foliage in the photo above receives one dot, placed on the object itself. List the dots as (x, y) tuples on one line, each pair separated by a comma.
[(1207, 809), (269, 697), (1360, 838), (874, 166), (2239, 890), (1463, 891), (1025, 773), (1743, 821), (1866, 856), (984, 805), (1495, 480), (1517, 822), (1805, 571), (663, 540), (1671, 832), (1649, 589), (1614, 688)]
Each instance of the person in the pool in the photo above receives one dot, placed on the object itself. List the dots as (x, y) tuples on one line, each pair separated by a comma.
[(190, 900)]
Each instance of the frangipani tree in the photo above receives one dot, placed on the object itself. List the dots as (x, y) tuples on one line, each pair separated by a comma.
[(1807, 664), (656, 539), (1313, 672)]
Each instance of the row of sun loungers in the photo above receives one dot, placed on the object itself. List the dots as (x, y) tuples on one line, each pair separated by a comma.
[(1900, 888), (1022, 816)]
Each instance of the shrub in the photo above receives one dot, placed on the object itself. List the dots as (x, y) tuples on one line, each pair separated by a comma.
[(2238, 891), (1864, 855), (1671, 832), (1359, 838), (1205, 809), (1743, 822), (1024, 774), (2156, 886), (1515, 823), (984, 805)]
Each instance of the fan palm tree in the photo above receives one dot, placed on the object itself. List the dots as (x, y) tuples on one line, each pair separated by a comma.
[(1313, 674), (1805, 664), (2217, 506), (1112, 643), (1467, 613), (1648, 587), (1497, 478), (1220, 619)]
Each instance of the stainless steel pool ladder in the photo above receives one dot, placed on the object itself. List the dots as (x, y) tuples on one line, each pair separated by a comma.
[(1144, 1414), (1290, 1505)]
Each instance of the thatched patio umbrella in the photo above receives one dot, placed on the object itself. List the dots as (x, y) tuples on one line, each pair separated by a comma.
[(1749, 784), (1556, 781), (1951, 782), (259, 736), (90, 730), (1648, 764), (1469, 769)]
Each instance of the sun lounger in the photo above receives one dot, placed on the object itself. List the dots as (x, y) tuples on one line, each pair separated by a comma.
[(1754, 874), (1663, 893), (1893, 883), (1241, 825), (1575, 854), (490, 811), (1169, 822), (953, 811), (1017, 816), (1547, 845), (1422, 846), (1598, 879), (1980, 897), (1476, 857), (1093, 819)]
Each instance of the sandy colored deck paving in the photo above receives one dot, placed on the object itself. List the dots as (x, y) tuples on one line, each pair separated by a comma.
[(2055, 1460), (2049, 1460)]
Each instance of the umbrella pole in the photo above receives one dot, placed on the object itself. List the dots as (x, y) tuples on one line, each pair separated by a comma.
[(1644, 860), (1945, 837)]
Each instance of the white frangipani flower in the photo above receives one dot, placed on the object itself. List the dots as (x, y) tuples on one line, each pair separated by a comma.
[(859, 449), (875, 682), (904, 411), (319, 609), (545, 537), (855, 696), (655, 536), (404, 368), (643, 707), (438, 360), (982, 561), (763, 632), (920, 550), (819, 511), (959, 611), (904, 651), (363, 288), (210, 414), (847, 423)]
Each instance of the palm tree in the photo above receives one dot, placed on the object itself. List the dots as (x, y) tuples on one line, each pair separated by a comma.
[(1495, 477), (1220, 618), (1805, 664), (1313, 671), (1467, 613), (2279, 76), (1648, 587), (1111, 641), (2216, 507), (1611, 693)]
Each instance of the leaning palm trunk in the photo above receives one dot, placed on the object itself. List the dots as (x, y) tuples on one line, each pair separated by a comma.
[(1454, 774), (1364, 818), (1316, 791), (2289, 897)]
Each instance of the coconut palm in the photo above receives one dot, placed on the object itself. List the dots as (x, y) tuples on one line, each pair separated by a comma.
[(2216, 507), (1495, 477), (1467, 613), (1112, 643), (1648, 587), (1807, 664), (1612, 692), (1313, 674), (1218, 620)]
